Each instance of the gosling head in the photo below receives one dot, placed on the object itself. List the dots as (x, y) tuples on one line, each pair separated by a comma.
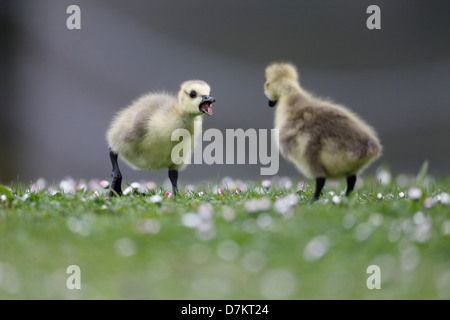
[(194, 98), (281, 78)]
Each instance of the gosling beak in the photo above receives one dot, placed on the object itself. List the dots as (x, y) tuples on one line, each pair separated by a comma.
[(272, 103), (205, 105)]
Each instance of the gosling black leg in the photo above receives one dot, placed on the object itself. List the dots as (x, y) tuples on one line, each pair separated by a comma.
[(173, 176), (116, 184), (320, 182), (350, 185)]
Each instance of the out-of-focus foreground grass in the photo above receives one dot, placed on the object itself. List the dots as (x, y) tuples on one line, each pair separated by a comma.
[(238, 240)]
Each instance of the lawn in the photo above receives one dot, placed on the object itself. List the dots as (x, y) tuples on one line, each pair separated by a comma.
[(229, 239)]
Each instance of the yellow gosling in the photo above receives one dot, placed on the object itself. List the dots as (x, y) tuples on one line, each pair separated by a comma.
[(141, 133), (323, 139)]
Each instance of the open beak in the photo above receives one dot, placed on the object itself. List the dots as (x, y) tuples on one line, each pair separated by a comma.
[(205, 105), (272, 103)]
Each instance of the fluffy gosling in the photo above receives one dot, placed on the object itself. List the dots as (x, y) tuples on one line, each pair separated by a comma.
[(323, 139), (141, 133)]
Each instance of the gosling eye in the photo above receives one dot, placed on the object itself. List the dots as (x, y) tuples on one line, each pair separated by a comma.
[(192, 94)]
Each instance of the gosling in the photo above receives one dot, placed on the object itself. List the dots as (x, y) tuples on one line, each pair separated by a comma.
[(323, 139), (141, 133)]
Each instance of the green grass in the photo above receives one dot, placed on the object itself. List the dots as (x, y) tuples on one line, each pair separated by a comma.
[(131, 248)]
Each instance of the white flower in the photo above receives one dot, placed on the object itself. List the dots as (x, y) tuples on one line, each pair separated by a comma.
[(260, 191), (206, 231), (104, 184), (266, 183), (190, 188), (363, 231), (414, 193), (428, 202), (228, 250), (316, 248), (278, 284), (39, 185), (401, 194), (348, 221), (336, 199), (379, 196), (150, 185), (264, 221), (67, 185), (81, 226), (255, 205), (228, 183), (139, 187), (200, 193), (149, 226), (254, 261), (155, 198), (228, 213), (422, 233), (242, 186), (205, 211), (125, 247), (282, 205), (384, 177), (190, 220), (419, 218), (301, 186), (444, 198), (376, 219), (94, 184), (285, 182), (135, 185), (3, 198), (409, 258), (128, 190)]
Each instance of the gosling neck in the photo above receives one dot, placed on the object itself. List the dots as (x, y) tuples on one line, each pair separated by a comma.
[(184, 115)]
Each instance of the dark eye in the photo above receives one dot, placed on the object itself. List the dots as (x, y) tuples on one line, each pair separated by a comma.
[(192, 94)]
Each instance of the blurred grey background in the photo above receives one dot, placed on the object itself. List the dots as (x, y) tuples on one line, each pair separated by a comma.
[(60, 88)]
